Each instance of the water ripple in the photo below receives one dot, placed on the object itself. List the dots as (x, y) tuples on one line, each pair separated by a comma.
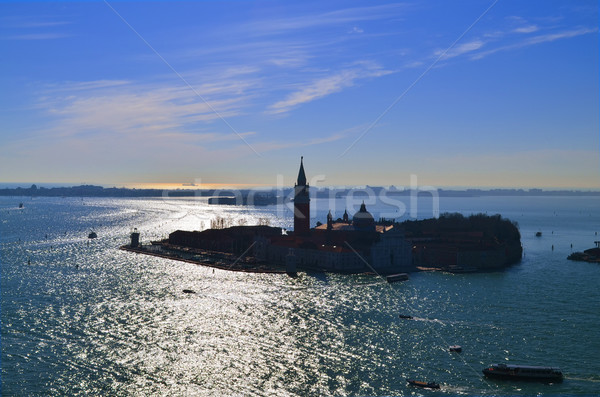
[(80, 317)]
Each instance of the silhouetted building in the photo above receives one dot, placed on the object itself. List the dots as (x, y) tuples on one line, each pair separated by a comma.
[(338, 246), (235, 240), (363, 220), (301, 204), (345, 217)]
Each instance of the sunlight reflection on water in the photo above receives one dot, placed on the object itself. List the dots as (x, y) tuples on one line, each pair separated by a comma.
[(87, 318)]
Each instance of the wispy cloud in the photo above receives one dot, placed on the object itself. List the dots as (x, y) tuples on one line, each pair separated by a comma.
[(315, 90), (125, 107), (40, 24), (37, 36), (84, 85), (31, 27), (543, 38), (290, 65), (118, 122), (328, 85), (518, 34), (285, 144), (204, 138), (460, 49), (28, 21), (337, 17), (526, 29)]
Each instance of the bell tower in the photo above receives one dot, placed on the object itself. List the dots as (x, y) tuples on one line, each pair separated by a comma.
[(301, 204)]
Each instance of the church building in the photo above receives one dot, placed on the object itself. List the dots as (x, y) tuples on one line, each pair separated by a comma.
[(360, 245), (348, 245)]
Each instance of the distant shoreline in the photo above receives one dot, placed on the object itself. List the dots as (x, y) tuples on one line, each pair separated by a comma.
[(324, 192)]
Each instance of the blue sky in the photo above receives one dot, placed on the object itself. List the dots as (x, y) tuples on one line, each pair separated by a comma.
[(458, 93)]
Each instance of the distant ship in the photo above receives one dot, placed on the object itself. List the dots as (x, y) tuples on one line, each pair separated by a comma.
[(523, 372)]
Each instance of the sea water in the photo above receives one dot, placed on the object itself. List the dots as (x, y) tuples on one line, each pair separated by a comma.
[(81, 317)]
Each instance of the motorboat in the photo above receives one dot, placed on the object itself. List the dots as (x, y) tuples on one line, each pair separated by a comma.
[(427, 385), (523, 372), (455, 348), (392, 278)]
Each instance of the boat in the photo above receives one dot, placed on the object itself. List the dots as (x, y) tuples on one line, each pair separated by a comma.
[(538, 234), (455, 348), (20, 205), (427, 385), (523, 372), (406, 316), (92, 235), (392, 278), (189, 291)]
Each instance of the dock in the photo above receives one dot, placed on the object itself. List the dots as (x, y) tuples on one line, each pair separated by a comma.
[(216, 260)]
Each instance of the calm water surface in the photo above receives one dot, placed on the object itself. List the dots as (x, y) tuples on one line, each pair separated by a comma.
[(81, 317)]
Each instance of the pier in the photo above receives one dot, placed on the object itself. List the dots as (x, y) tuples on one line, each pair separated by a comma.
[(217, 260)]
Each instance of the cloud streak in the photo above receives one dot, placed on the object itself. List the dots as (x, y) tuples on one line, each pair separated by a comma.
[(286, 144), (325, 86), (124, 107), (526, 29), (331, 18), (32, 27), (539, 39), (460, 49), (500, 40), (38, 36)]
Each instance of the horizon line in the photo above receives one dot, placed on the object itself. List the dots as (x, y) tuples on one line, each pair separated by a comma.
[(249, 186)]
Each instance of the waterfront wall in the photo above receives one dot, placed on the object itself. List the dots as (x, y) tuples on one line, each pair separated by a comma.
[(482, 259)]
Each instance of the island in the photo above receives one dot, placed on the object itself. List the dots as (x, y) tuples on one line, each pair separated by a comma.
[(591, 255), (357, 244), (452, 243)]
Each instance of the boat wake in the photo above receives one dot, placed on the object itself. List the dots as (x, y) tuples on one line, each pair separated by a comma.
[(369, 284), (460, 390), (592, 380), (430, 320), (452, 322)]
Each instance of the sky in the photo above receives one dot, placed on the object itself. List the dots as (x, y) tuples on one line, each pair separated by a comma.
[(496, 93)]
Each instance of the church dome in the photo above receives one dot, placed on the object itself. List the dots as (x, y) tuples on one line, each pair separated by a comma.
[(363, 220)]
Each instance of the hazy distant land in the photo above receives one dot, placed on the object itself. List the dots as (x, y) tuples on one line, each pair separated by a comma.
[(264, 195)]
